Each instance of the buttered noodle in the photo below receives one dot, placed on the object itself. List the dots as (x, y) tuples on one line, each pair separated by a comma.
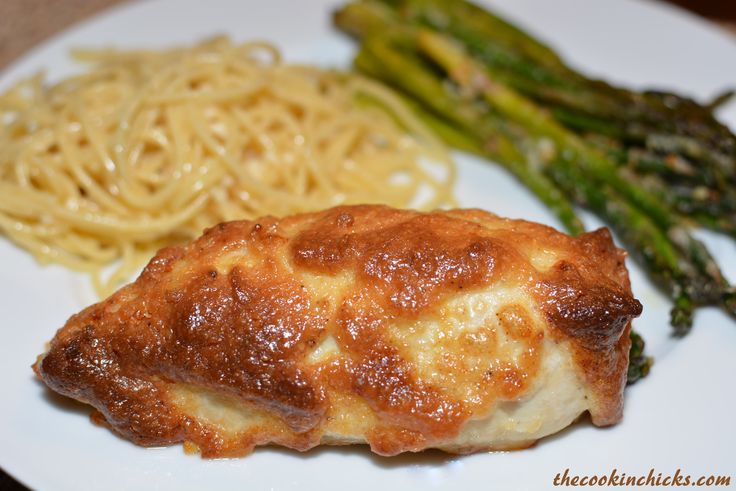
[(147, 148)]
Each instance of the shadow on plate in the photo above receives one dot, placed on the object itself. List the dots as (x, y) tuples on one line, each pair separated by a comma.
[(63, 403), (583, 423), (431, 458), (426, 459)]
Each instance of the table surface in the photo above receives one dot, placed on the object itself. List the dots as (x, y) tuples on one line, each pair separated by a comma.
[(25, 23)]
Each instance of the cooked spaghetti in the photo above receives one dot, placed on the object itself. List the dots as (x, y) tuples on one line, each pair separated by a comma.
[(147, 148)]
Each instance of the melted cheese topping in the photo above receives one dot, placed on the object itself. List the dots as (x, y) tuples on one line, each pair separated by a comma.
[(455, 330)]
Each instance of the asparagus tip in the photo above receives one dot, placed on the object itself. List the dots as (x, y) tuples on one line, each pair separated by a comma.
[(681, 320), (720, 99), (728, 300), (639, 364)]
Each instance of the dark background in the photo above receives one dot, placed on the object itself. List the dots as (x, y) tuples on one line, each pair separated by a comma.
[(24, 23), (716, 9)]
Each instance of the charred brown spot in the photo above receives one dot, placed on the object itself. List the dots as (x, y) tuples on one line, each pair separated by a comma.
[(594, 314), (412, 263), (393, 440)]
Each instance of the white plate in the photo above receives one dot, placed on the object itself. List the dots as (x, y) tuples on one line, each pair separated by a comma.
[(682, 416)]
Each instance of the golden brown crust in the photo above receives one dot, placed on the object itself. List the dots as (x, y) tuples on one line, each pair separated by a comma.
[(235, 313), (596, 313)]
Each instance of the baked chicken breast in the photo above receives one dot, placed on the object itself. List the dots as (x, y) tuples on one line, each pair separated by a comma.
[(456, 330)]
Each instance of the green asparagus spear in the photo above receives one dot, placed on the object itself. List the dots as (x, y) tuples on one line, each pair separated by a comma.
[(551, 81), (639, 364), (469, 75), (360, 19), (379, 59), (726, 225), (583, 104), (720, 100)]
